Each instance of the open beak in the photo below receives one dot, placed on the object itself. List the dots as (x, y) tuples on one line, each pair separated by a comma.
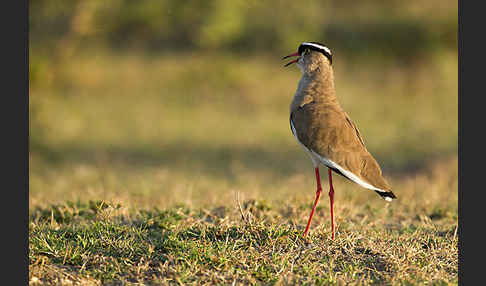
[(293, 61)]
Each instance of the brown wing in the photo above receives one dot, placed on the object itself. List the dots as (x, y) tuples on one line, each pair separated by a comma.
[(328, 131), (351, 123)]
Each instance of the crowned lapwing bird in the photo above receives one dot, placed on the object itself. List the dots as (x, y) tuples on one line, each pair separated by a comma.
[(326, 132)]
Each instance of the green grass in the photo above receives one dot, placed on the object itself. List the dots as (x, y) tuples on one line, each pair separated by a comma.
[(250, 242), (137, 165)]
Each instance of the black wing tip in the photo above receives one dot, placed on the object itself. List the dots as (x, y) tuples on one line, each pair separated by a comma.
[(388, 196)]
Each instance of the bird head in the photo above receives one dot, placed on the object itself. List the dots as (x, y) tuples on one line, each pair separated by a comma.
[(310, 55)]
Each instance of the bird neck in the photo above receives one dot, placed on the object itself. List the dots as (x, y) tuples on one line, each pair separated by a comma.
[(319, 83)]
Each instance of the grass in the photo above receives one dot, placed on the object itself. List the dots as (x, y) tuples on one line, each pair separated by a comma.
[(253, 241), (136, 164)]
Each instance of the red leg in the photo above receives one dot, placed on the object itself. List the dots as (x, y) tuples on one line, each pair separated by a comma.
[(318, 194), (331, 198)]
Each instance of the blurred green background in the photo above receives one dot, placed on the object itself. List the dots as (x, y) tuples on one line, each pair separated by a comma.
[(155, 103)]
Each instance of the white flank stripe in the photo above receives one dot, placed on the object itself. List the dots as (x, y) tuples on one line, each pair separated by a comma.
[(348, 174)]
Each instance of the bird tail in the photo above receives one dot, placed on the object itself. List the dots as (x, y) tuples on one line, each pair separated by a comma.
[(387, 196)]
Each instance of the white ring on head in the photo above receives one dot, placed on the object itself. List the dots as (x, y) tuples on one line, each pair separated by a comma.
[(318, 46)]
